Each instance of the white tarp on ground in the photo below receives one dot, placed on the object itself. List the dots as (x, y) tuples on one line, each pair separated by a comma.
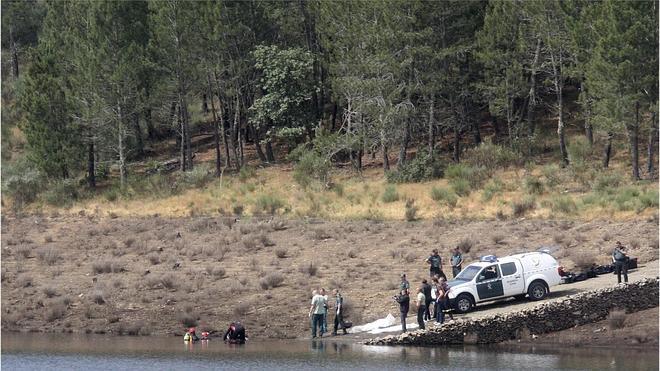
[(387, 324)]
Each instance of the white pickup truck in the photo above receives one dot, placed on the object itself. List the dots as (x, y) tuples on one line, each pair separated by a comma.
[(491, 278)]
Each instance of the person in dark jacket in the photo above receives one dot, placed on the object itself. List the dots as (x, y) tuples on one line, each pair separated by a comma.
[(404, 305), (426, 289), (235, 334), (339, 312), (435, 262), (620, 261)]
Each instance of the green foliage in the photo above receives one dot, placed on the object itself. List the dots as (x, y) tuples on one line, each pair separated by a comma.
[(493, 187), (390, 194), (552, 174), (474, 176), (22, 182), (563, 204), (421, 168), (198, 177), (579, 150), (246, 173), (534, 185), (61, 193), (311, 166), (461, 187), (269, 204), (522, 207), (607, 182), (444, 195), (491, 156)]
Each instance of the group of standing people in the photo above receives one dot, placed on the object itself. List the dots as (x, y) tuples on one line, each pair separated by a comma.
[(436, 293), (318, 312)]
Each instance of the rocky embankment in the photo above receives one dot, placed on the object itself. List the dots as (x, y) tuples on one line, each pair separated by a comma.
[(575, 310)]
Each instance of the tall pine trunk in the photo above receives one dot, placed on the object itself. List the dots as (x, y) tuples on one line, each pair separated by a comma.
[(137, 131), (457, 145), (257, 145), (531, 106), (182, 142), (14, 53), (607, 154), (121, 148), (633, 136), (431, 131), (216, 134), (653, 140), (588, 128), (560, 131), (91, 166), (404, 145), (186, 127), (383, 145)]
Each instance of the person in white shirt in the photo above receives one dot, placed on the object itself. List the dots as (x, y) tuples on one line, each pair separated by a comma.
[(421, 307), (316, 311)]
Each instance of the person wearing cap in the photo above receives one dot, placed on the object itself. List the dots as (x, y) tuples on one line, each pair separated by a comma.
[(456, 262), (404, 285), (190, 335), (436, 264), (620, 261)]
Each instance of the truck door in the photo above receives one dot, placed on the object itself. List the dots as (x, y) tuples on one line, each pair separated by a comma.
[(489, 283), (512, 279)]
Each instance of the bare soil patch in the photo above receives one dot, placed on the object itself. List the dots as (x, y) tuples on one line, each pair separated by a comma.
[(156, 275)]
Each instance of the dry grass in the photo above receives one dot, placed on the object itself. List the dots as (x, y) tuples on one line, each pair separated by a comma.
[(310, 269), (49, 291), (108, 266), (48, 255), (241, 309), (55, 312), (271, 280), (616, 319)]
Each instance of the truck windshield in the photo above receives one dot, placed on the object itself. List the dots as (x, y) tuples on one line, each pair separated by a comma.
[(468, 273)]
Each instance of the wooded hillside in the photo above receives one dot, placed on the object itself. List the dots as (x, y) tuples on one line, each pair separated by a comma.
[(94, 86)]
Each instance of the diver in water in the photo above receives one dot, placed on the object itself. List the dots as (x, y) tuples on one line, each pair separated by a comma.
[(190, 335), (235, 334)]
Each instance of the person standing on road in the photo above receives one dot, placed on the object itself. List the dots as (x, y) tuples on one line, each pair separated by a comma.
[(436, 264), (316, 313), (404, 305), (339, 312), (421, 307), (456, 262), (620, 261), (404, 285), (426, 289), (324, 326)]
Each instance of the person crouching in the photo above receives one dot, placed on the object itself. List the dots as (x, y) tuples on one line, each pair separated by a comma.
[(235, 334)]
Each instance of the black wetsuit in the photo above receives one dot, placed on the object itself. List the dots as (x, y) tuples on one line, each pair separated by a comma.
[(235, 334)]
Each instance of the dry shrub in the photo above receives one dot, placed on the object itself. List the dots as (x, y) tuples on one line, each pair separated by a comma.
[(217, 272), (465, 245), (48, 238), (521, 207), (235, 287), (410, 257), (24, 281), (168, 281), (188, 319), (129, 242), (241, 309), (396, 253), (616, 319), (279, 225), (55, 312), (131, 329), (48, 255), (247, 229), (108, 266), (281, 253), (352, 254), (249, 242), (265, 240), (498, 238), (49, 291), (97, 297), (23, 251), (310, 269), (271, 280), (583, 259), (320, 234), (154, 258)]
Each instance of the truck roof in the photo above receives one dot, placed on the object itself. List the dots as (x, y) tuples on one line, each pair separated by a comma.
[(507, 259)]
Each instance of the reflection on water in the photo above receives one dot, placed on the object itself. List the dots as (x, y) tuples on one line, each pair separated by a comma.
[(78, 352)]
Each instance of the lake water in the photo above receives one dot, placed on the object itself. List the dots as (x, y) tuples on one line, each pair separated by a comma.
[(97, 352)]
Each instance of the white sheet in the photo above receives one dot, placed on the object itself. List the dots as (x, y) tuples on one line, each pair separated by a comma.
[(379, 326)]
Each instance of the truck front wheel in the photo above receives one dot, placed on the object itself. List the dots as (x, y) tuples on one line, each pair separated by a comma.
[(537, 290), (464, 303)]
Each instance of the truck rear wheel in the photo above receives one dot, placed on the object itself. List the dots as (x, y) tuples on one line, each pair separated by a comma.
[(537, 290), (464, 303)]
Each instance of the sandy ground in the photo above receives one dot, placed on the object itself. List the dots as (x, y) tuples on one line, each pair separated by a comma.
[(155, 275)]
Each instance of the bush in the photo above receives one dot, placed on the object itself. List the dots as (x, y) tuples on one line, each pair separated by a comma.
[(154, 258), (48, 255), (474, 175), (188, 319), (310, 269), (22, 183), (217, 272), (241, 309), (490, 156), (55, 312), (583, 259), (107, 266), (168, 281), (461, 187), (281, 253), (465, 245), (390, 194), (617, 319), (310, 166), (493, 187), (49, 291), (521, 207), (534, 185), (246, 173), (563, 204), (61, 193), (271, 280), (97, 297), (552, 174), (421, 168), (198, 177), (411, 210), (269, 204), (444, 195), (606, 182), (579, 150)]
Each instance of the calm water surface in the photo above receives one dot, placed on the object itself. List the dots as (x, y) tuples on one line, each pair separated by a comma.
[(87, 352)]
